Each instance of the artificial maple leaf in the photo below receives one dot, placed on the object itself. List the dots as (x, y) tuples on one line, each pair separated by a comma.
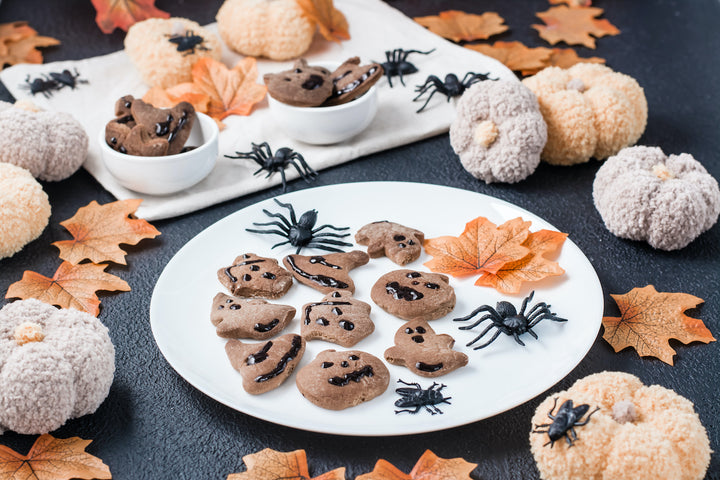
[(515, 55), (112, 14), (563, 58), (428, 467), (461, 26), (98, 230), (19, 44), (72, 286), (53, 458), (572, 3), (270, 464), (482, 247), (331, 22), (574, 26), (532, 267), (650, 318)]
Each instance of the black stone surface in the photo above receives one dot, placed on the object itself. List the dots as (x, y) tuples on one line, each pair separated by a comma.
[(155, 425)]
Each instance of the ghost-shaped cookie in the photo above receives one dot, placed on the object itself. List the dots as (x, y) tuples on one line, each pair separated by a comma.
[(337, 318), (327, 272), (399, 243), (254, 318), (409, 294), (302, 86), (423, 351), (254, 276)]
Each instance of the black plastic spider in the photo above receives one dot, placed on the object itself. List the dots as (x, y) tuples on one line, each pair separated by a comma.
[(42, 85), (397, 64), (188, 43), (300, 233), (417, 398), (451, 87), (263, 156), (507, 320), (563, 422), (67, 79)]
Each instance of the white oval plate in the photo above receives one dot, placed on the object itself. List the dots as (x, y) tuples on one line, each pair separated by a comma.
[(496, 378)]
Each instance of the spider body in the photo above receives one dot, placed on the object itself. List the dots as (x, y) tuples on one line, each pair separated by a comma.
[(40, 85), (506, 319), (301, 233), (417, 398), (271, 163), (564, 421), (396, 64), (188, 43), (66, 79), (451, 87)]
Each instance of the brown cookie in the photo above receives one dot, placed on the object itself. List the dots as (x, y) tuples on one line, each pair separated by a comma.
[(338, 380), (351, 80), (254, 276), (303, 86), (400, 244), (411, 295), (423, 351), (172, 124), (139, 142), (123, 110), (326, 272), (265, 366), (254, 318), (337, 318)]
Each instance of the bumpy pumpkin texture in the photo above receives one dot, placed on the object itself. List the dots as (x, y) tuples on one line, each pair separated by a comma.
[(590, 111), (639, 432), (54, 365), (668, 201)]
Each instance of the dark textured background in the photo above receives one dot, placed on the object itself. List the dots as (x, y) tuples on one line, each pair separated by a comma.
[(154, 425)]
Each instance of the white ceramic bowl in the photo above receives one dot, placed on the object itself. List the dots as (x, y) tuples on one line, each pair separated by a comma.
[(171, 173), (325, 125)]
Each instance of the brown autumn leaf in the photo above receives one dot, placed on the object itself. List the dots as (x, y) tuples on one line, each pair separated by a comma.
[(53, 458), (649, 319), (461, 26), (72, 286), (481, 248), (572, 3), (515, 55), (331, 22), (269, 464), (563, 58), (574, 26), (532, 267), (428, 467), (98, 230), (19, 44), (123, 14)]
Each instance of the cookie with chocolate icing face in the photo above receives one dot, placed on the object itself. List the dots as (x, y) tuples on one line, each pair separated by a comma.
[(171, 124), (338, 380), (254, 318), (265, 366), (413, 295), (337, 318), (399, 243), (350, 80), (253, 276), (327, 272), (302, 86), (423, 351)]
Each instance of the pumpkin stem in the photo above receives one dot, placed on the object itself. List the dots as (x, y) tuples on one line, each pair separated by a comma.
[(662, 172), (28, 332), (624, 411), (27, 105), (485, 133), (576, 84)]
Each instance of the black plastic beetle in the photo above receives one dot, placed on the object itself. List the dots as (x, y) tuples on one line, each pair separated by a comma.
[(40, 85), (271, 163), (451, 87), (188, 43), (396, 64), (413, 399), (67, 79), (564, 421)]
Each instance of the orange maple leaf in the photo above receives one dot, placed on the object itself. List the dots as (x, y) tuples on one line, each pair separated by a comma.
[(19, 44), (112, 14), (270, 464), (563, 58), (72, 286), (515, 55), (98, 230), (53, 458), (572, 3), (532, 267), (574, 26), (331, 22), (461, 26), (650, 318), (482, 247), (428, 467)]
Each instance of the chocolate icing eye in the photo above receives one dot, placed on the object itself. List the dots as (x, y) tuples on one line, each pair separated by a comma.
[(344, 364), (409, 331), (420, 330), (354, 357), (399, 238), (326, 364), (413, 275), (234, 306), (336, 294), (418, 339), (432, 286)]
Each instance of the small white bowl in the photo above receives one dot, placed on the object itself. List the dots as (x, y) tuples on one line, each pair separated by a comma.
[(325, 125), (170, 173)]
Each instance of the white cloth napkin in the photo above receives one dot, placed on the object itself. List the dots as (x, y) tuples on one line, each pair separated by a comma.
[(374, 28)]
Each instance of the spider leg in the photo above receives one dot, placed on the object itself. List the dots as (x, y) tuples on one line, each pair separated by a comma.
[(485, 317), (517, 339), (529, 330), (541, 426), (427, 101), (266, 232), (587, 419), (414, 384), (467, 76), (537, 308), (282, 176), (273, 224), (417, 409), (334, 235), (289, 207), (435, 409), (328, 241), (525, 302), (432, 80), (550, 415), (445, 400), (489, 341), (282, 243), (484, 308), (321, 247), (339, 229), (568, 440), (548, 316), (308, 170), (263, 149), (300, 172)]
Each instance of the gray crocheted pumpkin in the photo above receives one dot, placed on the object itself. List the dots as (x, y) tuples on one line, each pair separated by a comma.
[(668, 201), (498, 132), (54, 365)]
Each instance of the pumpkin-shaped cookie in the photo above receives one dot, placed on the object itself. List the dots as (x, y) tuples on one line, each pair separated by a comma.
[(668, 201), (590, 111), (498, 131)]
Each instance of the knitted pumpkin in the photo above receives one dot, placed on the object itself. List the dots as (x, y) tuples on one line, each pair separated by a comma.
[(498, 131), (639, 433), (276, 29), (590, 111), (54, 365), (668, 201)]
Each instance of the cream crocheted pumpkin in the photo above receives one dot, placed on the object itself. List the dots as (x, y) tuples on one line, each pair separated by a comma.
[(590, 111)]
